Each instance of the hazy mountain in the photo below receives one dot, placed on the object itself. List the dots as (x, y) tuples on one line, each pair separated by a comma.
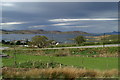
[(40, 31)]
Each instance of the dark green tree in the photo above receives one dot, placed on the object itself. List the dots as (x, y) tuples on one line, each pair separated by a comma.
[(3, 41), (39, 41), (18, 43), (79, 39)]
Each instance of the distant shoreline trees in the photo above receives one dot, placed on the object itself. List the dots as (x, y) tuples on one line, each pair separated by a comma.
[(39, 41), (42, 41), (36, 41), (79, 39)]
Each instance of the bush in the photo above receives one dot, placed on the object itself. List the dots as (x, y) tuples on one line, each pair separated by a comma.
[(64, 52)]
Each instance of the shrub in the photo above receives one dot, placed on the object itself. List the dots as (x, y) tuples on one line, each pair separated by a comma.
[(64, 52)]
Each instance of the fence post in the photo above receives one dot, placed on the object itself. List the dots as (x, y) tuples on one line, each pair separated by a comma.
[(72, 66), (60, 65), (33, 64), (104, 40), (82, 61), (19, 64), (47, 65)]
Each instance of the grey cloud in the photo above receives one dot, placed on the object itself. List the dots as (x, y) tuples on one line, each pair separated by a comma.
[(61, 1), (40, 13)]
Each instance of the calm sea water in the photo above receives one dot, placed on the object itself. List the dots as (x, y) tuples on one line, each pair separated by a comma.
[(63, 38)]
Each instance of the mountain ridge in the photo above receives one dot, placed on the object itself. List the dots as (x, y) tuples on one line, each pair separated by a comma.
[(40, 31)]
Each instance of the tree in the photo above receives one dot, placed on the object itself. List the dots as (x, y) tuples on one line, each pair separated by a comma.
[(79, 39), (18, 43), (39, 41), (3, 41), (27, 41)]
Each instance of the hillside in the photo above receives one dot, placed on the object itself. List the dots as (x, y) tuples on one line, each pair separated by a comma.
[(112, 37), (38, 32)]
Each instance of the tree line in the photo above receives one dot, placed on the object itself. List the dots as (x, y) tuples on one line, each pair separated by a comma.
[(41, 41)]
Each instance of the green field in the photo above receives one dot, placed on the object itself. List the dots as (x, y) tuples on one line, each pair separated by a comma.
[(63, 63), (69, 57), (101, 63)]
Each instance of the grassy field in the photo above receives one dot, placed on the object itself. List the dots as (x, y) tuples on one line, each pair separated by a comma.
[(112, 37), (86, 52), (69, 57), (101, 63), (66, 63)]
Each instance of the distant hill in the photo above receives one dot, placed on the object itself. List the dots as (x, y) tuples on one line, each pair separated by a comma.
[(107, 33), (40, 31), (112, 37), (113, 33)]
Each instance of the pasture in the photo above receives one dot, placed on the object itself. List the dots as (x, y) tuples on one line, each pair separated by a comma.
[(64, 63), (101, 63)]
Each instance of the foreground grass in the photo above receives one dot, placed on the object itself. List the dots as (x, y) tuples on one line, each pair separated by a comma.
[(66, 72)]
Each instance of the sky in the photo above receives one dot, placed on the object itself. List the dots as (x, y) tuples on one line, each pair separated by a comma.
[(60, 1), (92, 17)]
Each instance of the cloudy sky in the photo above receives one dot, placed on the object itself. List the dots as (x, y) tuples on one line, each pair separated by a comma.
[(94, 17)]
